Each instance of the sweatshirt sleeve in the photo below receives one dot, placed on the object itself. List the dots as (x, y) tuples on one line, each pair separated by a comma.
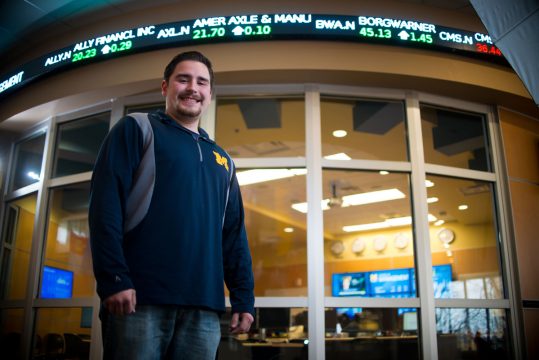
[(236, 255), (116, 163)]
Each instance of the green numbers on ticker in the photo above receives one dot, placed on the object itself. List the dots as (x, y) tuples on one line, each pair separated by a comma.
[(107, 49), (256, 30), (82, 55), (210, 33), (375, 33), (117, 47)]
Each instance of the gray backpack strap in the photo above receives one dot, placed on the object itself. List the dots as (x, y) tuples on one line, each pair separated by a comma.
[(140, 196), (228, 190)]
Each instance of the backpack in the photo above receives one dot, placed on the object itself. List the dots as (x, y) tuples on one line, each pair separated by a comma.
[(140, 196)]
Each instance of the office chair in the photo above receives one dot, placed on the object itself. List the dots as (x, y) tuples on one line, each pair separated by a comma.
[(54, 346), (75, 347)]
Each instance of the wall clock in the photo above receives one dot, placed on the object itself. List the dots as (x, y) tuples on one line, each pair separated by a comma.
[(379, 243), (446, 236)]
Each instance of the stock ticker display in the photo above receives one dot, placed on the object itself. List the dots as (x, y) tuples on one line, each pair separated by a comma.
[(261, 27)]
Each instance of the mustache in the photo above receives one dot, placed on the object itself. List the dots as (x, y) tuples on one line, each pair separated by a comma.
[(191, 95)]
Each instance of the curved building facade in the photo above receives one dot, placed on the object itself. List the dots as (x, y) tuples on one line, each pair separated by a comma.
[(387, 158)]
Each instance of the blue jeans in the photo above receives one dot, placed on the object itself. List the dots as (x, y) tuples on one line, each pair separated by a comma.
[(161, 332)]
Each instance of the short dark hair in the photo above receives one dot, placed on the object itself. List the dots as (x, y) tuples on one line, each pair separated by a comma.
[(184, 56)]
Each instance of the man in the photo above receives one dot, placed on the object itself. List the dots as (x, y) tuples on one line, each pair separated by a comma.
[(161, 279)]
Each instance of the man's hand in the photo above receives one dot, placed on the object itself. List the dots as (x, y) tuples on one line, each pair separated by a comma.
[(241, 323), (122, 303)]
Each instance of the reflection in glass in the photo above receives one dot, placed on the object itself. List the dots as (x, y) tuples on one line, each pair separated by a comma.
[(372, 333), (146, 108), (363, 129), (67, 252), (11, 328), (62, 333), (460, 237), (368, 232), (277, 333), (18, 228), (261, 127), (26, 165), (277, 233), (78, 144), (472, 334), (455, 139)]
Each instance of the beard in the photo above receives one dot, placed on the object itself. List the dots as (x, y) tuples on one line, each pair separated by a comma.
[(189, 113), (186, 113)]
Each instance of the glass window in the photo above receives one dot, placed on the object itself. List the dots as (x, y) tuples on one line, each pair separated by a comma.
[(78, 144), (146, 108), (26, 165), (17, 235), (368, 237), (67, 270), (278, 333), (11, 328), (455, 139), (363, 129), (465, 230), (277, 233), (261, 127), (371, 333), (472, 334), (62, 333)]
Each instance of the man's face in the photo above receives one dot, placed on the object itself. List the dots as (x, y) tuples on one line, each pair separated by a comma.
[(188, 91)]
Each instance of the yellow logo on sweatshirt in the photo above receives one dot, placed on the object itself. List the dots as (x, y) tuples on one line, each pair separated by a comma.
[(221, 160)]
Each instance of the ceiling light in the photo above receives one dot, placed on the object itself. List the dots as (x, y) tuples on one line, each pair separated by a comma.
[(439, 222), (463, 207), (339, 156), (384, 172), (372, 197), (302, 207), (432, 200), (254, 176), (357, 199), (400, 221), (33, 175), (288, 230), (429, 183), (340, 133)]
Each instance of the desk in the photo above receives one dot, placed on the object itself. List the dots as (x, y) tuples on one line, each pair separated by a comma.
[(276, 349), (373, 347), (273, 344), (340, 348)]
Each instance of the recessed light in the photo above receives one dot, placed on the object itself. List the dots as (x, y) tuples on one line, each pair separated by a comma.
[(383, 172), (255, 176), (33, 175), (340, 133), (288, 230), (339, 156), (463, 207)]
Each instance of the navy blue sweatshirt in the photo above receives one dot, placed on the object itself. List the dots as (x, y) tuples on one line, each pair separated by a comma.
[(192, 236)]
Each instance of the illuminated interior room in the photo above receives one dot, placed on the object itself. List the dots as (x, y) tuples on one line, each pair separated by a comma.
[(387, 155)]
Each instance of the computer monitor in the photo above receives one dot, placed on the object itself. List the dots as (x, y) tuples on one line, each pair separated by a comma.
[(86, 317), (349, 284), (409, 321), (277, 319), (330, 318), (392, 283), (56, 283)]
